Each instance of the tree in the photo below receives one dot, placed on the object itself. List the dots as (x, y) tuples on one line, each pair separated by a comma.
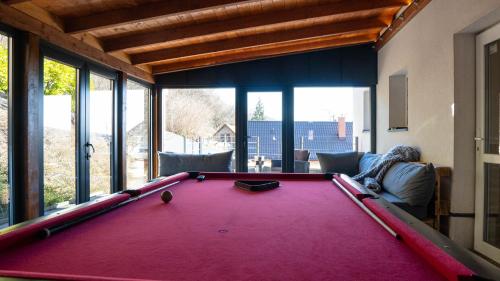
[(4, 64), (258, 114), (59, 79), (195, 113)]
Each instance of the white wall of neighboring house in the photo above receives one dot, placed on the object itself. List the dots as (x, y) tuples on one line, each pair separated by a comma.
[(358, 118), (424, 50), (135, 114), (57, 112), (100, 117)]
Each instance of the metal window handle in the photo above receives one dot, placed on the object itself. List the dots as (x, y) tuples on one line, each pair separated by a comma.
[(88, 155)]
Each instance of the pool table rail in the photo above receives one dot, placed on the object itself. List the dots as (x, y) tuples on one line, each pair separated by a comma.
[(28, 230)]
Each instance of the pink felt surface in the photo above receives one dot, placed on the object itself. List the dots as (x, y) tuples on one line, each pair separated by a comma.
[(435, 256), (213, 231)]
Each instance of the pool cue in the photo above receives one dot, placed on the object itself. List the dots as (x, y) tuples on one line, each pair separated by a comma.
[(368, 211), (48, 231)]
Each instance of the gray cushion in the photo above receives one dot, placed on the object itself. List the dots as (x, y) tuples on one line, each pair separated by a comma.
[(345, 163), (419, 212), (413, 183), (173, 163), (367, 161)]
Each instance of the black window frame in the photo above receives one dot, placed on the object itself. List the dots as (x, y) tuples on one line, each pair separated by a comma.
[(84, 67), (151, 89), (12, 34), (287, 92)]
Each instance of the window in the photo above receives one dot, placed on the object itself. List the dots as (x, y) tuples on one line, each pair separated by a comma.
[(264, 131), (5, 47), (137, 133), (194, 119), (59, 135), (101, 134), (398, 102), (328, 120)]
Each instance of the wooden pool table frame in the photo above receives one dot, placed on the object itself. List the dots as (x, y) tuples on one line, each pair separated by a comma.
[(483, 269)]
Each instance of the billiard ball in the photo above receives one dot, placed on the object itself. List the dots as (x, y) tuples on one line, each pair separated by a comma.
[(166, 196)]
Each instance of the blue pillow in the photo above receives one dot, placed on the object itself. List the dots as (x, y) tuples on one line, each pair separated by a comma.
[(412, 182)]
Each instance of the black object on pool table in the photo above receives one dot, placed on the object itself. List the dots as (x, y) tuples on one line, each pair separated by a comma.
[(256, 185), (200, 178), (166, 196)]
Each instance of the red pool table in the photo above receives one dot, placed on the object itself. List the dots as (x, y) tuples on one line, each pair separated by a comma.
[(312, 227)]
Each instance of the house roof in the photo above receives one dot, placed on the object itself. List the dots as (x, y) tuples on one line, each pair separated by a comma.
[(319, 136), (232, 128)]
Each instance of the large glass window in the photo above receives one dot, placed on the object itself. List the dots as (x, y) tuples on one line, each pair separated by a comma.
[(59, 117), (329, 120), (101, 134), (137, 128), (4, 130), (199, 121), (264, 131)]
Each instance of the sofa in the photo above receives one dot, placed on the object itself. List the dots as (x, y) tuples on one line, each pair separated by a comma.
[(173, 163), (300, 163), (408, 185)]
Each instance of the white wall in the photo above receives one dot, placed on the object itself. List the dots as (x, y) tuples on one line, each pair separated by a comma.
[(424, 50), (358, 117)]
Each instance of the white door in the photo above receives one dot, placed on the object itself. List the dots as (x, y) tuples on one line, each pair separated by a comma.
[(487, 218)]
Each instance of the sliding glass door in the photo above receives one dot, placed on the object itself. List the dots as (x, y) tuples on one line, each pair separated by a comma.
[(264, 131), (59, 134), (78, 131), (5, 63), (100, 134)]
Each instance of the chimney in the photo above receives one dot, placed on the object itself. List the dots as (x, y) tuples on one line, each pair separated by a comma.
[(341, 124)]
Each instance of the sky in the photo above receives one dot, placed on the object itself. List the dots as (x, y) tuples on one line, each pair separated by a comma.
[(310, 104)]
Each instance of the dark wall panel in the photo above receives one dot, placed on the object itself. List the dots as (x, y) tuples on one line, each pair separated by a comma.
[(348, 66)]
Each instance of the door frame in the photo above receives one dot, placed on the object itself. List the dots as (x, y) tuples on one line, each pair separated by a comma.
[(242, 132), (112, 75), (482, 39), (82, 167)]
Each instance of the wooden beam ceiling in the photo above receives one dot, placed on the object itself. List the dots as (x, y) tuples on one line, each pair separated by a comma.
[(401, 21), (148, 37), (270, 51), (140, 13), (262, 39), (144, 36), (22, 21)]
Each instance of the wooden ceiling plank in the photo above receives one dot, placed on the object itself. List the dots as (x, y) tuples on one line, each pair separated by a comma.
[(276, 17), (398, 24), (39, 13), (22, 21), (260, 39), (266, 53), (140, 13)]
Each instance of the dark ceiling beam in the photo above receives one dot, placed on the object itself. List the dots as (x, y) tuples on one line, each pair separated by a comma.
[(281, 49), (260, 39), (148, 37), (141, 13), (12, 2)]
